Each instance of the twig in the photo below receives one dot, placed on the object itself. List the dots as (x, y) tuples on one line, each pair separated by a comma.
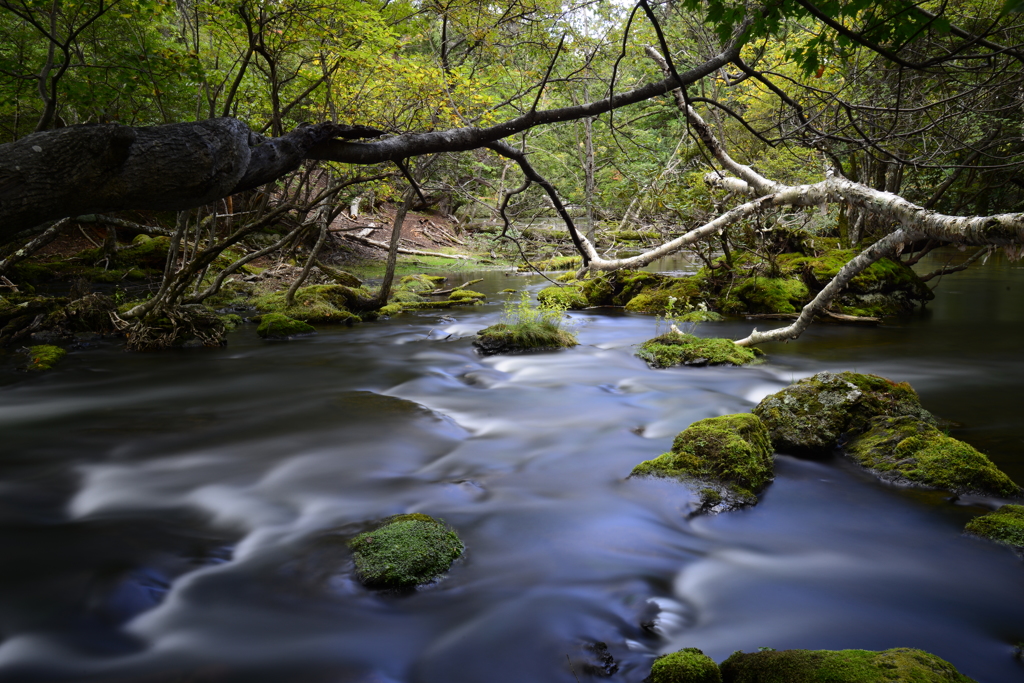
[(572, 670)]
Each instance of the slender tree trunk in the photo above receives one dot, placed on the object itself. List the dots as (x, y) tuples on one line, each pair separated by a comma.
[(396, 236)]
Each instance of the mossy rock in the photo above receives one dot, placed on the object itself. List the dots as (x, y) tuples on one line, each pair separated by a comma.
[(686, 349), (812, 416), (570, 297), (522, 338), (772, 295), (908, 451), (405, 551), (316, 303), (391, 309), (898, 665), (280, 326), (688, 665), (44, 357), (420, 284), (555, 263), (461, 294), (727, 460), (1005, 525)]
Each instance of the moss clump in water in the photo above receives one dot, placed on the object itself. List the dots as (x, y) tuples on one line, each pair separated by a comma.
[(556, 263), (44, 357), (686, 349), (910, 451), (463, 294), (525, 328), (813, 415), (898, 665), (726, 460), (316, 304), (1005, 525), (405, 551), (280, 326), (688, 665)]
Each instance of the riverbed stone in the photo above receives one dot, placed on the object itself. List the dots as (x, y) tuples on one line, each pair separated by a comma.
[(44, 357), (909, 451), (688, 665), (523, 338), (818, 413), (726, 460), (898, 665), (676, 348), (280, 326), (405, 551), (1005, 525)]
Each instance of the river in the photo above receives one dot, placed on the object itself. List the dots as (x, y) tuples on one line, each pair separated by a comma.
[(181, 516)]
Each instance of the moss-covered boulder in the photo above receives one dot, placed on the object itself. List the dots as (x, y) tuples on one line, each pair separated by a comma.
[(814, 415), (908, 451), (555, 263), (570, 297), (280, 326), (420, 284), (44, 357), (405, 551), (464, 294), (1005, 525), (898, 665), (726, 460), (317, 303), (688, 665), (541, 335), (674, 348)]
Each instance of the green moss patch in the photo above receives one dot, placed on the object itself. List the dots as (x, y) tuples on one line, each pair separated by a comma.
[(556, 263), (907, 450), (810, 417), (280, 326), (898, 665), (462, 294), (316, 304), (518, 338), (570, 297), (772, 295), (686, 349), (727, 460), (688, 665), (1005, 525), (405, 551), (44, 357)]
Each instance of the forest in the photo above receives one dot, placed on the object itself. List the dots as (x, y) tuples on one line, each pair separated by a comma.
[(426, 235)]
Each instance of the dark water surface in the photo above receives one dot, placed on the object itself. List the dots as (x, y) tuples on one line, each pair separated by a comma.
[(182, 516)]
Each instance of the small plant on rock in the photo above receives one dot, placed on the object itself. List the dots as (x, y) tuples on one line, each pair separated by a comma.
[(526, 328)]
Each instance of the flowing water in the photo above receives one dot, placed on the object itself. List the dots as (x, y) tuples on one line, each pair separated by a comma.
[(182, 516)]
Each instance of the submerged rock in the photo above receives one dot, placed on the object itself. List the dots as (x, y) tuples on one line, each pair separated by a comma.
[(1005, 525), (898, 665), (816, 414), (726, 460), (44, 357), (688, 665), (280, 326), (686, 349), (405, 551), (909, 451)]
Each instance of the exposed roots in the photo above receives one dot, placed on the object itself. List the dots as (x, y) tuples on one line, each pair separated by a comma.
[(189, 326)]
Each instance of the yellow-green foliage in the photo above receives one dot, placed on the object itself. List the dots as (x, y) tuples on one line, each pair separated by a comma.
[(404, 551), (569, 297), (898, 665), (688, 665), (525, 328), (44, 357), (278, 325), (727, 457), (556, 263), (678, 349), (1005, 525), (315, 304), (462, 294), (810, 417), (912, 451)]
